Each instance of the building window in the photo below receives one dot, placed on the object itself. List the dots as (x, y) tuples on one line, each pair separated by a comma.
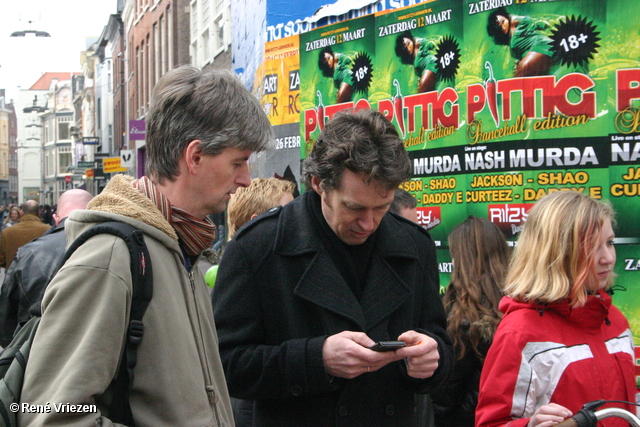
[(66, 158), (64, 124), (169, 39), (218, 28), (157, 56), (49, 163), (206, 47), (163, 46)]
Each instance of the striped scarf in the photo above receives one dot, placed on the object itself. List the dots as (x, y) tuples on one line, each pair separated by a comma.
[(196, 235)]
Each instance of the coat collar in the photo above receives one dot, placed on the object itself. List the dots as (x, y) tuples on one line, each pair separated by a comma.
[(589, 316), (323, 285)]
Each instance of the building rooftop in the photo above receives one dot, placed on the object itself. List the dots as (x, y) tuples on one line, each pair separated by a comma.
[(44, 82)]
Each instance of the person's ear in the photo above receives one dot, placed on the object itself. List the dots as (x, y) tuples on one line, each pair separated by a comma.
[(253, 216), (316, 184), (193, 156)]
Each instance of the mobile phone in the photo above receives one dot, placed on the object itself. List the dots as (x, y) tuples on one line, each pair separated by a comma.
[(387, 345)]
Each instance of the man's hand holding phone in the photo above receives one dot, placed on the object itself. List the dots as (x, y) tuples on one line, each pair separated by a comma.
[(421, 354), (348, 355)]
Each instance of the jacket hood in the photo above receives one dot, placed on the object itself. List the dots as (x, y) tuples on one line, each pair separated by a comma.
[(591, 314), (121, 198)]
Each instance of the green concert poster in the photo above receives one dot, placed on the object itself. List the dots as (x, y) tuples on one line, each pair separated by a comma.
[(622, 48), (418, 60), (418, 54), (336, 72)]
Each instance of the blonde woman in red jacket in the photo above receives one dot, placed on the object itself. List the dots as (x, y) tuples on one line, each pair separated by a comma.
[(561, 342)]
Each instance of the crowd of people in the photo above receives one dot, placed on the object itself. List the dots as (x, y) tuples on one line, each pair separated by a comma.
[(326, 308)]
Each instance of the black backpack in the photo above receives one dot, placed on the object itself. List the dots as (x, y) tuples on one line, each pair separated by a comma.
[(14, 357)]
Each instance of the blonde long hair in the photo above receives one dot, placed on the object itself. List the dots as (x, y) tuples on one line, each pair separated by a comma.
[(555, 255), (8, 217)]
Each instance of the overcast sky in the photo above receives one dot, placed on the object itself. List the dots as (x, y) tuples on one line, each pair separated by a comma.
[(24, 59)]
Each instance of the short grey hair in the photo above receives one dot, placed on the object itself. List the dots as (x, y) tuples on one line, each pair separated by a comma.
[(362, 141), (402, 199), (212, 106)]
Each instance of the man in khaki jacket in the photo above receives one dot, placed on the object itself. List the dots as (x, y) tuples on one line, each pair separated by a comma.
[(201, 129), (30, 227)]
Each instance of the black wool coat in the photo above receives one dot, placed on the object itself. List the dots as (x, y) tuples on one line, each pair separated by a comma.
[(278, 296)]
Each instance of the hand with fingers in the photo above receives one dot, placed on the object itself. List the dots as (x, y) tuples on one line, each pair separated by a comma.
[(347, 355), (421, 354), (549, 415)]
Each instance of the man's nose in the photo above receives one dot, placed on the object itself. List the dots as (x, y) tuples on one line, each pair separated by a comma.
[(366, 221), (244, 177)]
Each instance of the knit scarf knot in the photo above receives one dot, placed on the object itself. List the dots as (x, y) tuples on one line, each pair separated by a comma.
[(196, 235)]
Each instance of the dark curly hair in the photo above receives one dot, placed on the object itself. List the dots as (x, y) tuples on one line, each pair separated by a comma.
[(322, 62), (401, 50), (362, 141), (494, 30)]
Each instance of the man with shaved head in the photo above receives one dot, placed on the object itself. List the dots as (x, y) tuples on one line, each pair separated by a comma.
[(33, 267)]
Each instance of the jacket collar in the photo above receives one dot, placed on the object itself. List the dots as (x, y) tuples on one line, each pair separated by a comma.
[(29, 217), (323, 285), (589, 316), (121, 198)]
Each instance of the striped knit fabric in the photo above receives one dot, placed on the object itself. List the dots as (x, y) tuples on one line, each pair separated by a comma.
[(196, 235)]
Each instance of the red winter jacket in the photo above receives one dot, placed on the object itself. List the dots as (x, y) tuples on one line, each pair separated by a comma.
[(555, 354)]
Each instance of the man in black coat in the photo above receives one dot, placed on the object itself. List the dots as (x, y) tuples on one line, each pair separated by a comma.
[(34, 266), (303, 292)]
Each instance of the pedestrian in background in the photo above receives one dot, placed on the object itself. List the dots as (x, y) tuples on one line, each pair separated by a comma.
[(480, 257), (13, 217), (249, 202), (245, 204), (404, 204), (33, 267), (28, 228), (561, 342), (5, 211), (46, 214)]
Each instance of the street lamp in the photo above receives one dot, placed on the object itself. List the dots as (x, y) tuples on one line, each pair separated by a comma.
[(23, 33)]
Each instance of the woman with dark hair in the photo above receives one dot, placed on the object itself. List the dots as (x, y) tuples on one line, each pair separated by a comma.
[(480, 256), (417, 51)]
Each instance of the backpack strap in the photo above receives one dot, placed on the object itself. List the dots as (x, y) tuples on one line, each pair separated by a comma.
[(142, 276)]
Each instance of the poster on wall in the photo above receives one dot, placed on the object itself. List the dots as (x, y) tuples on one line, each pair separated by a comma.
[(621, 44), (282, 162), (418, 55), (498, 104), (278, 88), (337, 70), (278, 81), (537, 113)]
